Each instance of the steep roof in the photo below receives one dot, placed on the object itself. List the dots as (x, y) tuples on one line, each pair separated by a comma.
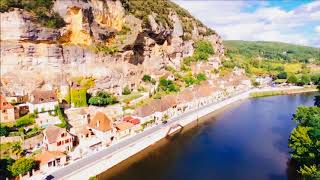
[(43, 96), (4, 104), (48, 156), (53, 133), (100, 122)]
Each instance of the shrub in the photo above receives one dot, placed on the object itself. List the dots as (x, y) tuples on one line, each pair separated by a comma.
[(305, 79), (104, 49), (4, 130), (26, 120), (203, 46), (146, 78), (201, 77), (126, 90)]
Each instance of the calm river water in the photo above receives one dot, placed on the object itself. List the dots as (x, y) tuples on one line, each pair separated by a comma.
[(247, 141)]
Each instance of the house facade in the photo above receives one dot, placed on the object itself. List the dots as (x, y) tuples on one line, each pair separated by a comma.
[(43, 101), (101, 125), (57, 139), (50, 159), (7, 111)]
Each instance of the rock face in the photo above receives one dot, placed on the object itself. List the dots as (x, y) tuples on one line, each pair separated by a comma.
[(33, 56)]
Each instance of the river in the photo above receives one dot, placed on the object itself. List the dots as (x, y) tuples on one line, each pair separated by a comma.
[(246, 141)]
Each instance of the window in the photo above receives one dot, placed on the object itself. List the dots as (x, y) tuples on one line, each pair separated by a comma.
[(41, 99), (66, 141), (58, 160), (62, 135), (4, 111), (59, 143), (50, 164)]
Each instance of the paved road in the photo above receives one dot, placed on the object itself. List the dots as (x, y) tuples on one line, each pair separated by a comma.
[(82, 163)]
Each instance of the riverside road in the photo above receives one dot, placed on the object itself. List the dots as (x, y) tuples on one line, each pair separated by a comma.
[(72, 168)]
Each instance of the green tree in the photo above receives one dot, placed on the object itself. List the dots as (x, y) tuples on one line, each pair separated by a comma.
[(293, 79), (26, 120), (22, 166), (305, 79), (103, 98)]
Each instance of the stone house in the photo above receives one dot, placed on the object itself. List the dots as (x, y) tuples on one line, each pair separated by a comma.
[(43, 101), (78, 118), (50, 159), (17, 99), (123, 129), (57, 139), (33, 143), (101, 126), (7, 111)]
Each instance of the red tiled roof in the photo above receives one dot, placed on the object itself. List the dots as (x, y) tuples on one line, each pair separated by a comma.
[(53, 133), (4, 104), (132, 120), (124, 126), (48, 156), (100, 122)]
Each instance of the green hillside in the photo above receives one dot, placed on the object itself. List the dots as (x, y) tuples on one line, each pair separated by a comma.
[(272, 51), (284, 62)]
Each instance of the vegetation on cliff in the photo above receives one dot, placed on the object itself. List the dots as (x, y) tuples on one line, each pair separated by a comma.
[(163, 8), (305, 141), (42, 9)]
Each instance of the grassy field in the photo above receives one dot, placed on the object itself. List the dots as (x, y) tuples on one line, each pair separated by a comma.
[(283, 92)]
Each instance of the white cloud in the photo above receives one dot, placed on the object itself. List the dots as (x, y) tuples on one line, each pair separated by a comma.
[(265, 23), (317, 29)]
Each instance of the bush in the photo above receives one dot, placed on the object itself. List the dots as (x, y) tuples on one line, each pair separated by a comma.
[(4, 130), (103, 98), (146, 78), (203, 46), (201, 77), (62, 118), (104, 49), (168, 85), (126, 90), (26, 120)]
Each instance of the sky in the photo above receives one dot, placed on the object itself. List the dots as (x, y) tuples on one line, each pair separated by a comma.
[(291, 21)]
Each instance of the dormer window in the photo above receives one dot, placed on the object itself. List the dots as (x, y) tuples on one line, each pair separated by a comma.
[(5, 103), (41, 99), (52, 98)]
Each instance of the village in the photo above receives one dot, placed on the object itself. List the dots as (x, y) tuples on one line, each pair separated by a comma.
[(56, 126)]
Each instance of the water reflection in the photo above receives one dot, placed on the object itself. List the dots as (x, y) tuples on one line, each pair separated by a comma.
[(247, 141)]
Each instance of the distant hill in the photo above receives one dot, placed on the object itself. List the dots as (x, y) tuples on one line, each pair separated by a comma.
[(272, 51)]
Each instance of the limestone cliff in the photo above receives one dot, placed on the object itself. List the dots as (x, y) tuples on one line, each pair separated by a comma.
[(106, 39)]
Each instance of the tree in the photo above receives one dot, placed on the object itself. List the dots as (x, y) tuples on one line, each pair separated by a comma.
[(126, 90), (282, 75), (22, 166), (102, 98), (293, 79), (79, 97), (305, 79)]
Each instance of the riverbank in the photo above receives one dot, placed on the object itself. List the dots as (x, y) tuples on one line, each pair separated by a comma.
[(297, 90), (115, 154)]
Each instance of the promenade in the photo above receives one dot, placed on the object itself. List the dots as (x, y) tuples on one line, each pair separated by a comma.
[(116, 153)]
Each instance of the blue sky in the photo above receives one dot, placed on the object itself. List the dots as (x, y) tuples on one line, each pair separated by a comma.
[(292, 21)]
